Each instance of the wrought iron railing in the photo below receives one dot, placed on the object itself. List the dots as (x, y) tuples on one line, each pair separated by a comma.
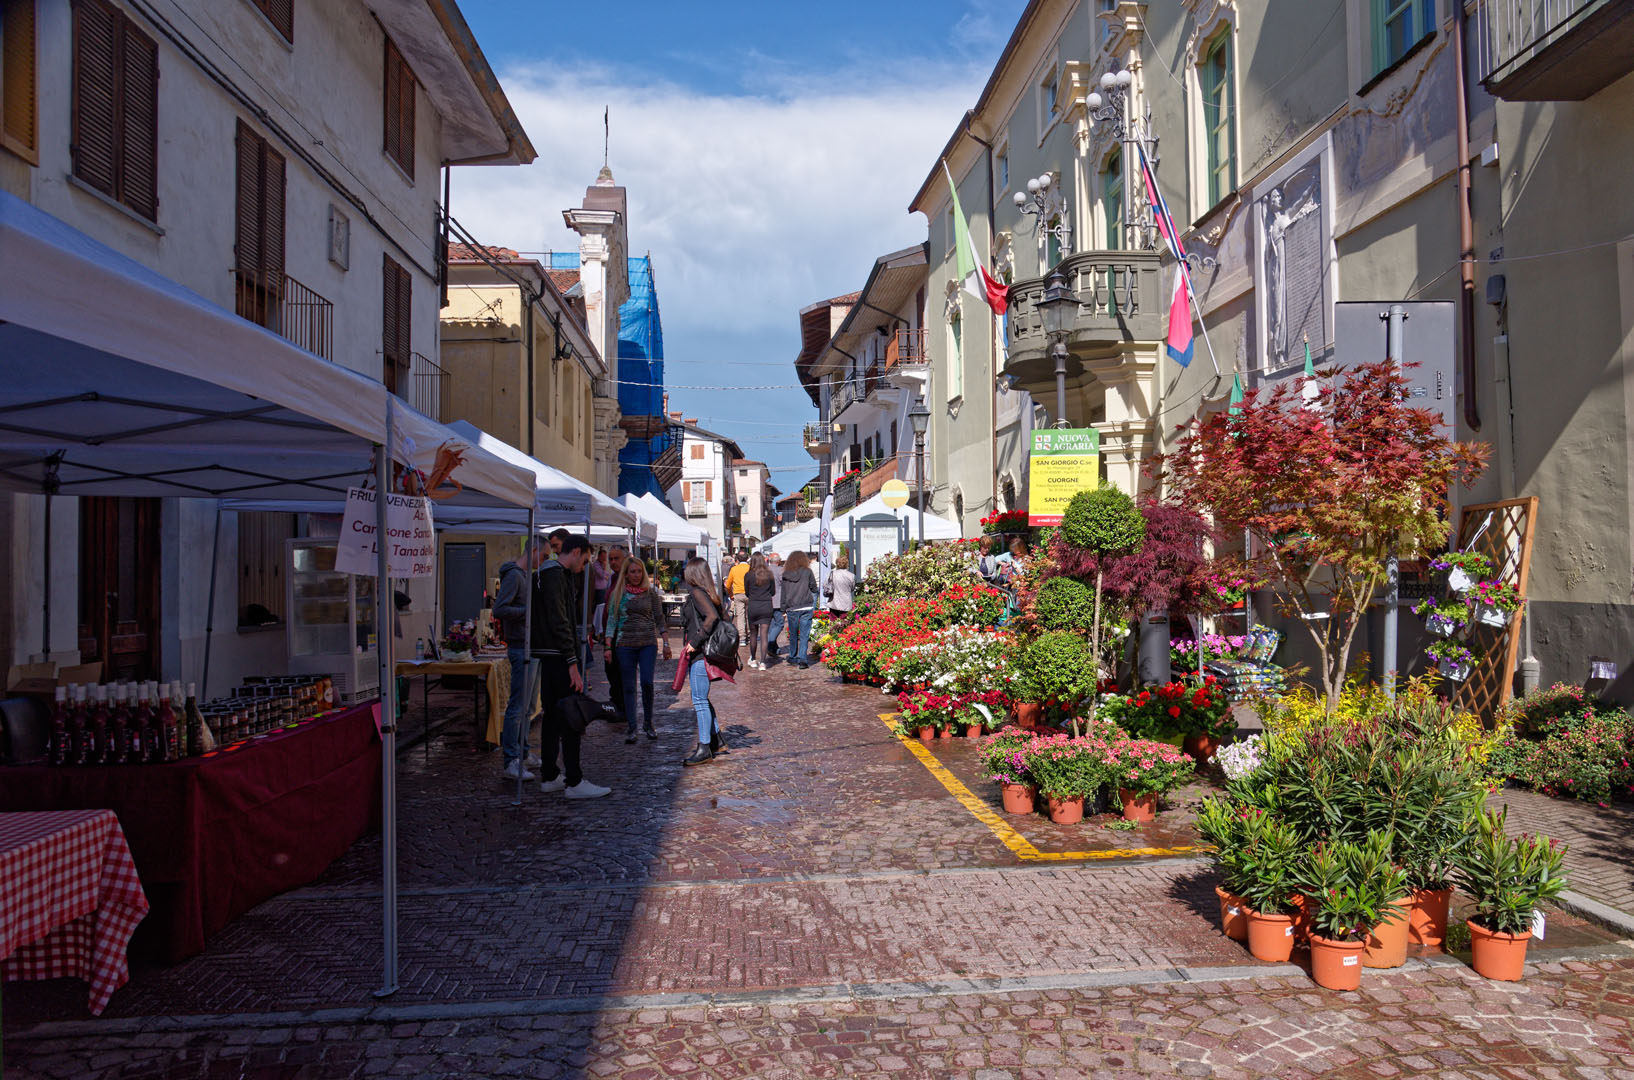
[(423, 385), (907, 347), (273, 299)]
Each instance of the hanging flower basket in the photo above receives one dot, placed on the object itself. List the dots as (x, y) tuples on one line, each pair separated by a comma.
[(1453, 670), (1463, 569), (1487, 615), (1442, 625)]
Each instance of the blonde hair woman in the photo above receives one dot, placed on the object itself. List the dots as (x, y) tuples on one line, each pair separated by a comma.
[(635, 627)]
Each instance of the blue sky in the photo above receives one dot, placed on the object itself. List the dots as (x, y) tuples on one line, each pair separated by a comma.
[(769, 151)]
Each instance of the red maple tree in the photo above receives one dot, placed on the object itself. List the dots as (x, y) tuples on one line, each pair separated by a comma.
[(1327, 490)]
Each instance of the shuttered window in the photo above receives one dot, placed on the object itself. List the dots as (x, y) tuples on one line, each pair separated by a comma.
[(261, 557), (399, 94), (281, 14), (19, 81), (397, 310), (258, 239), (116, 107)]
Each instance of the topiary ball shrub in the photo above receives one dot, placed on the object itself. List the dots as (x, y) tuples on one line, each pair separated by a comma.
[(1104, 521), (1064, 603), (1058, 667)]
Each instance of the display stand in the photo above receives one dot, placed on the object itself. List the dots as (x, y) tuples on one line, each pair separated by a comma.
[(1502, 531)]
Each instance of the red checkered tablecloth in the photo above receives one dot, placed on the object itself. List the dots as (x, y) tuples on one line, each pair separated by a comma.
[(69, 899)]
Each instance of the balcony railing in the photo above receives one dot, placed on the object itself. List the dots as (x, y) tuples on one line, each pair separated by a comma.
[(273, 299), (818, 438), (845, 493), (420, 383), (907, 347), (1119, 303), (1553, 50)]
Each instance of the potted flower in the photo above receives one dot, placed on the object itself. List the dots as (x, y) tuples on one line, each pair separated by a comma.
[(1221, 823), (1262, 866), (1004, 757), (1506, 878), (458, 641), (1145, 770), (1238, 759), (924, 713), (1208, 719), (1442, 618), (1463, 569), (1066, 771), (1494, 603), (1056, 667), (981, 713), (1453, 659), (1352, 893)]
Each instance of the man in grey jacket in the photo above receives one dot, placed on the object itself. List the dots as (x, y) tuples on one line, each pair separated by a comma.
[(511, 609)]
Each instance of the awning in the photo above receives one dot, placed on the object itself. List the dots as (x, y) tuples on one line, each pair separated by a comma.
[(673, 529), (561, 500), (115, 380)]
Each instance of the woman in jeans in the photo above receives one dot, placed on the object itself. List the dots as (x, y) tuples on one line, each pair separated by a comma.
[(635, 626), (799, 598), (760, 592), (699, 615)]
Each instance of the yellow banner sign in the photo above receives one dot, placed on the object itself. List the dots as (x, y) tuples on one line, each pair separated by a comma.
[(1064, 461)]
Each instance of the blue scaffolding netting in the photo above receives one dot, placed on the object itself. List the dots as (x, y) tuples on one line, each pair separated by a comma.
[(640, 372)]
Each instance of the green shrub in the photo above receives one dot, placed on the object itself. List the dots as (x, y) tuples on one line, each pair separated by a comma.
[(1103, 521), (921, 574), (1057, 666), (1064, 603), (1584, 749)]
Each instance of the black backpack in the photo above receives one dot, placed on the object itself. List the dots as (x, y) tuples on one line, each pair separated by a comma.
[(721, 645)]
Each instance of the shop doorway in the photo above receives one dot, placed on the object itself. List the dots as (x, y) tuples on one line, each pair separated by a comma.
[(119, 585)]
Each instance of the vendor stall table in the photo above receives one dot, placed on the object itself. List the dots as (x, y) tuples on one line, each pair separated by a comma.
[(69, 899), (213, 836), (495, 676)]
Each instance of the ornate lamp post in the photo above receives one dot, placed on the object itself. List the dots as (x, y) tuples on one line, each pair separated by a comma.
[(919, 417), (1056, 309)]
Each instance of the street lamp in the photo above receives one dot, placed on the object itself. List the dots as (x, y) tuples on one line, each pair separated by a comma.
[(919, 417), (1056, 308), (1043, 202)]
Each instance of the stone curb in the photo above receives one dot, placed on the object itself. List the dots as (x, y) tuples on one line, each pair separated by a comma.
[(1618, 922)]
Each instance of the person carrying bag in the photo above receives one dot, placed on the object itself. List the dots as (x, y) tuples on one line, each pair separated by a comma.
[(710, 642)]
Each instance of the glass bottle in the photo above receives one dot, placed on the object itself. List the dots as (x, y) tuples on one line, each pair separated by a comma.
[(97, 740), (199, 736), (170, 733), (62, 750), (119, 727)]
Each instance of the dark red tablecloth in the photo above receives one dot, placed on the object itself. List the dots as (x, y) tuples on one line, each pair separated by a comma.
[(214, 836)]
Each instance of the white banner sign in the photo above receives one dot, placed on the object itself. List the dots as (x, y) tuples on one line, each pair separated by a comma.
[(412, 543)]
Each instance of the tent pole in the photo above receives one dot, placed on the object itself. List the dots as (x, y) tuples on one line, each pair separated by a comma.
[(210, 605), (45, 591), (388, 717), (583, 644), (527, 652)]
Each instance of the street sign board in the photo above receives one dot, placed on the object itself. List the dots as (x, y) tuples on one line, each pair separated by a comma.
[(1063, 462)]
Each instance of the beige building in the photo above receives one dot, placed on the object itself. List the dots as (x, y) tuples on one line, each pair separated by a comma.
[(1310, 154)]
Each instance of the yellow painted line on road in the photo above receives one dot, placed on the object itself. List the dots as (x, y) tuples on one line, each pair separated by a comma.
[(1006, 833)]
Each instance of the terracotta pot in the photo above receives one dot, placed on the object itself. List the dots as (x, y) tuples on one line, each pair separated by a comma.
[(1233, 915), (974, 731), (944, 733), (1427, 920), (1497, 956), (1138, 807), (1200, 747), (1337, 965), (1386, 944), (1065, 811), (1301, 917), (927, 734), (1029, 714), (1018, 798), (1270, 937)]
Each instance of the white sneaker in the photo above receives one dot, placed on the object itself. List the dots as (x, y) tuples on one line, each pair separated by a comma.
[(513, 768), (586, 790), (558, 784), (534, 761)]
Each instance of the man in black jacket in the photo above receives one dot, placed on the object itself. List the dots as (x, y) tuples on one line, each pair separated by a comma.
[(555, 645), (511, 609)]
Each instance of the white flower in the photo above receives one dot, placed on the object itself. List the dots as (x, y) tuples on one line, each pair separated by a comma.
[(1239, 758)]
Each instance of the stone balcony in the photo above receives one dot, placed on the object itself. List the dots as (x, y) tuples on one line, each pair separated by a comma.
[(1120, 303)]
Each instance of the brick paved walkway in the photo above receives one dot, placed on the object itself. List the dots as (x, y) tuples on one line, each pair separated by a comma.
[(821, 857), (1600, 839)]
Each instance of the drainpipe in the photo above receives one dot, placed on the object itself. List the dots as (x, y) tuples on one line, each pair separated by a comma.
[(1466, 228), (527, 334)]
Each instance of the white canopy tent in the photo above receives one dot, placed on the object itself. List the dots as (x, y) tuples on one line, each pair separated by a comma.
[(936, 528), (115, 380), (801, 536), (673, 530)]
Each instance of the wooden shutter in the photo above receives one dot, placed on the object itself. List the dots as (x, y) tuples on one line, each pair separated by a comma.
[(686, 491), (281, 14), (396, 316), (399, 110), (96, 34), (709, 491), (259, 229), (19, 80), (139, 127)]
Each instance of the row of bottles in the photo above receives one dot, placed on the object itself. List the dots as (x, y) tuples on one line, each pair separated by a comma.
[(126, 724)]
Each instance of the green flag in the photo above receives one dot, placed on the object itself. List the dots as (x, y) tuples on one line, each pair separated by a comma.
[(1236, 406), (1310, 368)]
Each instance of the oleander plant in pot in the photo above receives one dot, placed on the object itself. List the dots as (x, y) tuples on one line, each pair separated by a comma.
[(1506, 879), (1351, 894), (1223, 826), (1263, 867)]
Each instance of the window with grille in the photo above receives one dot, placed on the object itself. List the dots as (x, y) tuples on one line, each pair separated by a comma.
[(1398, 25), (399, 95), (19, 80), (258, 239), (115, 141), (281, 14), (1219, 140), (397, 316)]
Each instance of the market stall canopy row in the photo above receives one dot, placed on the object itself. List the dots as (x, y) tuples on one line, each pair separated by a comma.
[(803, 536)]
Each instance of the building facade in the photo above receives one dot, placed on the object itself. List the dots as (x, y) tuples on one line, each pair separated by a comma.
[(707, 494), (281, 161), (1313, 157)]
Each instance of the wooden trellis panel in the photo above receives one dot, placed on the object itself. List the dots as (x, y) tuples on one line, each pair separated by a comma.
[(1506, 540)]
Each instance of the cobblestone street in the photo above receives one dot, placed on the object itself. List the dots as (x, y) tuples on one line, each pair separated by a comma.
[(823, 901)]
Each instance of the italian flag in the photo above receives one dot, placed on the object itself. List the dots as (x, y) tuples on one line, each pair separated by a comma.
[(977, 281)]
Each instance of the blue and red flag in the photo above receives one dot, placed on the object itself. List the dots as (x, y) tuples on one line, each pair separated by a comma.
[(1180, 342)]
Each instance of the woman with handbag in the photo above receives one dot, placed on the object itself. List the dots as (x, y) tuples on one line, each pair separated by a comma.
[(635, 626), (701, 621)]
